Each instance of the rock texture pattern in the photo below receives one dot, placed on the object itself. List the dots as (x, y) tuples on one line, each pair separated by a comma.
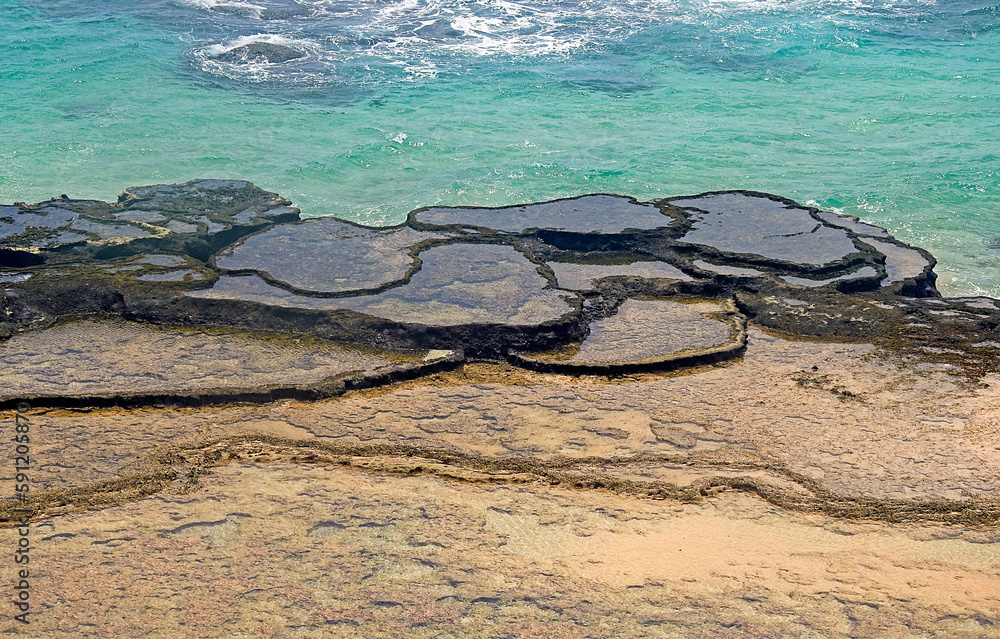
[(720, 415), (490, 282)]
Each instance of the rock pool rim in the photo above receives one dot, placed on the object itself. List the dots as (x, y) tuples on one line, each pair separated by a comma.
[(89, 277)]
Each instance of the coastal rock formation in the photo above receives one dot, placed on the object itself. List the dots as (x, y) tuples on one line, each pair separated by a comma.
[(330, 256), (652, 334), (110, 362), (195, 219), (572, 278), (522, 421)]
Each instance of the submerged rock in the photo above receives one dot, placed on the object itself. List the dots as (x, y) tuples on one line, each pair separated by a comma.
[(438, 30), (260, 52)]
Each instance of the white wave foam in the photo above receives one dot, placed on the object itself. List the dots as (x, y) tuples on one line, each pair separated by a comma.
[(482, 27), (306, 46), (239, 7), (429, 37), (298, 71)]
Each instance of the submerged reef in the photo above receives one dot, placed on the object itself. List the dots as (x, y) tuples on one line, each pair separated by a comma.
[(594, 284)]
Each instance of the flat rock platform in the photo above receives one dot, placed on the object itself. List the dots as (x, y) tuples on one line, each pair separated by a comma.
[(716, 415)]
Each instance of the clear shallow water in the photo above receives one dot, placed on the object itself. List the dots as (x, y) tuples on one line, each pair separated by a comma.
[(889, 110)]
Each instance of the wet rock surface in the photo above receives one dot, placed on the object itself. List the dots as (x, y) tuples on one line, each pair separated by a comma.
[(583, 277), (196, 218), (651, 333), (764, 228), (587, 214), (260, 52), (517, 421), (539, 276), (457, 284), (488, 282), (327, 256)]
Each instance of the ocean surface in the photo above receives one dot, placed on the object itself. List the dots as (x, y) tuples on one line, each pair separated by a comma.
[(884, 109)]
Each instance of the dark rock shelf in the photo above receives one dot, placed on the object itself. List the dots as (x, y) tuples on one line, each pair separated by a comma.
[(328, 256), (746, 224), (606, 214), (584, 277), (589, 284), (650, 335)]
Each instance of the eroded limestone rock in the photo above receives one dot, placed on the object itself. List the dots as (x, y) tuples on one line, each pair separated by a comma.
[(578, 277), (650, 334), (587, 214), (760, 226), (328, 256), (491, 496), (188, 217), (457, 284)]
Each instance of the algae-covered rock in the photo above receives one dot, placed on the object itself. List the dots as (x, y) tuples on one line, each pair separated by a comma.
[(592, 282), (197, 218)]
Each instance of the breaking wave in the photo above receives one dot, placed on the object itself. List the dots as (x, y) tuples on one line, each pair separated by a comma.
[(428, 37)]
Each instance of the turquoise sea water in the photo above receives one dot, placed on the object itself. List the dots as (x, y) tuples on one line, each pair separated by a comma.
[(885, 109)]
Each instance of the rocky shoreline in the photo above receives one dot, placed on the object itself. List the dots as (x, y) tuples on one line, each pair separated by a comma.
[(596, 284), (575, 387)]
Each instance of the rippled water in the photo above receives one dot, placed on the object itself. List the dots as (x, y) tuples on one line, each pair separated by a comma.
[(889, 110)]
